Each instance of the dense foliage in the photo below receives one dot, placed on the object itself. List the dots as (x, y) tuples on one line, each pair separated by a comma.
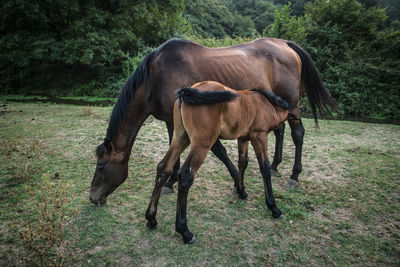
[(62, 44), (357, 54), (87, 47)]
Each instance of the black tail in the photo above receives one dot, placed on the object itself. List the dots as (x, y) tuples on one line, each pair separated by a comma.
[(317, 95), (193, 96), (273, 98)]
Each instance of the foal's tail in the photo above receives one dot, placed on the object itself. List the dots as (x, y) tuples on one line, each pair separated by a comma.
[(193, 96), (317, 94)]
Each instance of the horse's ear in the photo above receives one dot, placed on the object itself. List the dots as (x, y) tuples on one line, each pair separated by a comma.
[(107, 145)]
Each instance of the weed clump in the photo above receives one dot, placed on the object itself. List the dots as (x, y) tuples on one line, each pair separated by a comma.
[(22, 157), (88, 112), (41, 241)]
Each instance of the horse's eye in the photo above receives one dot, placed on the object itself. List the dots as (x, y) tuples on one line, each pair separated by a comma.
[(100, 167)]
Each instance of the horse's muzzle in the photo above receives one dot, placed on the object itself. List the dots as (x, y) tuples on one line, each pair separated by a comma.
[(97, 200)]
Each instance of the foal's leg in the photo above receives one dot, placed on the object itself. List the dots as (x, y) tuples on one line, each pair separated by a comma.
[(185, 180), (168, 187), (243, 146), (297, 129), (260, 145), (279, 134), (164, 170), (220, 152)]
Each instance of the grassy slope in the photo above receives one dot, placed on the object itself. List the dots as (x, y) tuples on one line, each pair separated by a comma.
[(346, 210)]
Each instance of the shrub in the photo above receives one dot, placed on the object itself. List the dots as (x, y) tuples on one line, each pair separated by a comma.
[(21, 157), (41, 241)]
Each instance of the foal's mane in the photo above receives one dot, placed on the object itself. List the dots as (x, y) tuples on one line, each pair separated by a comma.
[(273, 98)]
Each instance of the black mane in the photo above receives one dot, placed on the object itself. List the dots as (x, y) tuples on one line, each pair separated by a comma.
[(273, 98), (134, 81), (127, 93), (100, 150)]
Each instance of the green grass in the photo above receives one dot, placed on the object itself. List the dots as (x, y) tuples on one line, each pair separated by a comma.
[(345, 212)]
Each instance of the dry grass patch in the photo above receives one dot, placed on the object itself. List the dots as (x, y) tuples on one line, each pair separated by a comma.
[(346, 210)]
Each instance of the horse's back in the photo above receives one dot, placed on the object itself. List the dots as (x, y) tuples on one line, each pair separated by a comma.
[(264, 63)]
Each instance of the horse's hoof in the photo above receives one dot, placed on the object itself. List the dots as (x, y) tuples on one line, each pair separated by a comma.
[(166, 191), (292, 183), (276, 213), (274, 173), (240, 194), (152, 225)]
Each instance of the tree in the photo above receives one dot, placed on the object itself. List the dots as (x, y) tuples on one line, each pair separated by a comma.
[(61, 43), (358, 57), (286, 26), (213, 18)]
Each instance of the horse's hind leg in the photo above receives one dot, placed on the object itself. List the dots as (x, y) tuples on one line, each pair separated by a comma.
[(243, 146), (297, 130), (220, 152), (168, 187), (279, 134), (185, 180), (164, 170), (260, 145)]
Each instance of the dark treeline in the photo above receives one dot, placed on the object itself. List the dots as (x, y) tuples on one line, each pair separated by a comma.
[(89, 47)]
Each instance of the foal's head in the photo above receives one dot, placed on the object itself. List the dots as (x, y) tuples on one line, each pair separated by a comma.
[(111, 171)]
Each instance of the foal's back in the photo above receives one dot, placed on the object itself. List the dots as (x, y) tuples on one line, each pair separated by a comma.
[(249, 112)]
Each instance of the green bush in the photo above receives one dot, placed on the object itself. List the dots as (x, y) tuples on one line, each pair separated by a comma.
[(358, 57)]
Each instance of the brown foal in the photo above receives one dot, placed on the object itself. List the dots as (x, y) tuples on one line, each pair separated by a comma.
[(202, 114)]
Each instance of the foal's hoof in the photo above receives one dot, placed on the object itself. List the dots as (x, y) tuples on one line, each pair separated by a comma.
[(276, 213), (151, 224), (274, 173), (166, 191), (292, 183), (242, 195)]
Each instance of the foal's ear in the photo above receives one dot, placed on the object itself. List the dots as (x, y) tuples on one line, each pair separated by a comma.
[(107, 145)]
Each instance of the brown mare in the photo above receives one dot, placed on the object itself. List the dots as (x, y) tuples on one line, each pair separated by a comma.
[(276, 65), (209, 111)]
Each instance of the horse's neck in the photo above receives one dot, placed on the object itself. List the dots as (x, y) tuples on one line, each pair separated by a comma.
[(128, 130)]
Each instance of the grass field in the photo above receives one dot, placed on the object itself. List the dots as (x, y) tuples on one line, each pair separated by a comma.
[(345, 212)]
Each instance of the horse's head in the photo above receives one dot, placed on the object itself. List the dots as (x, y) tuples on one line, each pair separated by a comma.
[(111, 171)]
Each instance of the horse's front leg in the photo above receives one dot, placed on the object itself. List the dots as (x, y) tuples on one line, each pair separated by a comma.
[(161, 178), (164, 170), (169, 186), (260, 145)]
